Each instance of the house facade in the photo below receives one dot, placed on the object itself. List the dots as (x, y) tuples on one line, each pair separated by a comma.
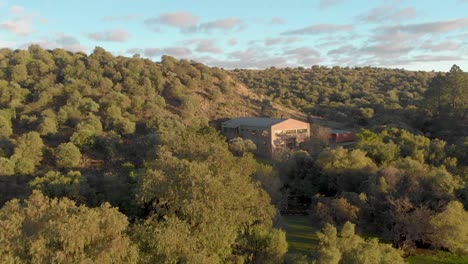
[(268, 134)]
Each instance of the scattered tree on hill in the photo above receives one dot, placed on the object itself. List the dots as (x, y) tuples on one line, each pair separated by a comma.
[(347, 247), (44, 230), (449, 228), (67, 156)]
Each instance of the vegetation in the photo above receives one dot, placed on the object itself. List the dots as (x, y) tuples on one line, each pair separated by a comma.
[(117, 160)]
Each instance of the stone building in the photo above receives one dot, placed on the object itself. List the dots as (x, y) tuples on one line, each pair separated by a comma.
[(268, 134)]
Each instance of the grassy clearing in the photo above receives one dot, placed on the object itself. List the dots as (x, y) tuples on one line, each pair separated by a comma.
[(438, 258), (300, 234)]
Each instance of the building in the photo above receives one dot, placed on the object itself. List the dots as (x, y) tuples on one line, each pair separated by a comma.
[(341, 137), (268, 134)]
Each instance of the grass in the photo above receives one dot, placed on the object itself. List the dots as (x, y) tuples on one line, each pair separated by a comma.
[(438, 258), (300, 234), (302, 238)]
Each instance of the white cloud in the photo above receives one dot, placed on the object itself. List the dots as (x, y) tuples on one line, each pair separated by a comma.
[(388, 14), (7, 44), (277, 21), (225, 24), (17, 10), (116, 35), (232, 41), (122, 18), (181, 20), (319, 29), (324, 4), (443, 46), (18, 26)]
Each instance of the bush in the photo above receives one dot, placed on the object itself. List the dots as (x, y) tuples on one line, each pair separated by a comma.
[(68, 155), (7, 167)]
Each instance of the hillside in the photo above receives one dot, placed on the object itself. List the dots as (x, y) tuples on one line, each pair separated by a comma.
[(107, 106), (357, 96), (98, 151)]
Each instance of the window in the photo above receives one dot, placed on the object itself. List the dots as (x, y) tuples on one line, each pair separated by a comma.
[(303, 130), (291, 131)]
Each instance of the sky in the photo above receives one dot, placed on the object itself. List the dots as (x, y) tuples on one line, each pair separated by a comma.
[(411, 34)]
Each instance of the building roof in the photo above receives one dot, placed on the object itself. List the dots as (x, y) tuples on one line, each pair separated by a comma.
[(253, 121), (341, 131)]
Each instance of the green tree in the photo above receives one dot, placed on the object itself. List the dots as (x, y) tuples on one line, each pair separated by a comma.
[(7, 167), (344, 170), (449, 229), (28, 152), (239, 146), (198, 181), (347, 247), (5, 127), (44, 230), (67, 155), (446, 99), (55, 184)]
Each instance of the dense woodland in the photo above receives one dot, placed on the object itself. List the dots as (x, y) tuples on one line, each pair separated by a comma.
[(118, 160)]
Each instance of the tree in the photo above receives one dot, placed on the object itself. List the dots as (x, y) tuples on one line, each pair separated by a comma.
[(264, 244), (334, 211), (207, 191), (67, 155), (347, 247), (7, 167), (449, 229), (446, 99), (375, 147), (239, 146), (44, 230), (5, 127), (71, 185), (28, 152), (344, 170), (48, 126), (319, 139)]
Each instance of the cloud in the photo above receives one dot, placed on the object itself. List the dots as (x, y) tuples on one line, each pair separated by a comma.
[(426, 58), (443, 46), (319, 29), (21, 22), (7, 44), (303, 56), (342, 50), (388, 14), (61, 40), (280, 40), (384, 50), (17, 10), (181, 20), (273, 41), (204, 45), (324, 4), (116, 35), (232, 41), (124, 18), (302, 52), (277, 21), (430, 27), (253, 57), (64, 39), (18, 26), (226, 24), (179, 52)]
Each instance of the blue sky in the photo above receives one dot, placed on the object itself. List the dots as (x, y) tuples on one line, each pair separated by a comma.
[(416, 35)]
